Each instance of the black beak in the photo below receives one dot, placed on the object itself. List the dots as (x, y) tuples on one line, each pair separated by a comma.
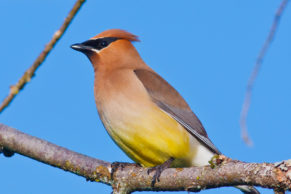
[(82, 48)]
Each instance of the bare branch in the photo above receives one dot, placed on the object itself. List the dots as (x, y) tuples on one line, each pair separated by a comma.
[(14, 90), (131, 177), (258, 64), (53, 155)]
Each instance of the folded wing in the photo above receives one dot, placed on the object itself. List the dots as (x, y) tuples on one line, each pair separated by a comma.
[(170, 101)]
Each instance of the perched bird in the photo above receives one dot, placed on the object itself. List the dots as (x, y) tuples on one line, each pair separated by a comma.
[(144, 115)]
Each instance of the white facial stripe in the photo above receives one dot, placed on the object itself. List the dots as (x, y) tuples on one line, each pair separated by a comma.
[(95, 50)]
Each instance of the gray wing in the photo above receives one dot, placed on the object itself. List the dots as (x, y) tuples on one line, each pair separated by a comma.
[(170, 101)]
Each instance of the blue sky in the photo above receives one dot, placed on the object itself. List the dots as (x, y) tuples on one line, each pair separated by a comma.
[(205, 49)]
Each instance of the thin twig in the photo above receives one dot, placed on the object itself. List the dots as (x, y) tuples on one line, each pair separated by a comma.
[(14, 90), (258, 64), (131, 177)]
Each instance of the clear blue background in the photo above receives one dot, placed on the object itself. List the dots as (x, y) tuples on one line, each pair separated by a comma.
[(205, 49)]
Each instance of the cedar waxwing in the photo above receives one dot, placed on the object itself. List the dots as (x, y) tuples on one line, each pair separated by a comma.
[(144, 115)]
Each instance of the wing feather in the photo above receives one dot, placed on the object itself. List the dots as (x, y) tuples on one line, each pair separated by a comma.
[(170, 101)]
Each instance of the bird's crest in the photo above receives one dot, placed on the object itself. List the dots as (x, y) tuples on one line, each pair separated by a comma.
[(117, 33)]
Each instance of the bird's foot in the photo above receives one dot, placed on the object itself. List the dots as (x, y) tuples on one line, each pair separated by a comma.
[(115, 166), (121, 165), (159, 169)]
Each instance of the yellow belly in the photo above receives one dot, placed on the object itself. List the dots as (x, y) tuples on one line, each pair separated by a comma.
[(149, 136)]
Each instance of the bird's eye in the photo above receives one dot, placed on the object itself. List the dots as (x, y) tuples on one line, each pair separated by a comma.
[(104, 43), (99, 43)]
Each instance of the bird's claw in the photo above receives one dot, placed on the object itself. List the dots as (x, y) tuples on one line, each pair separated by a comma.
[(159, 169), (115, 166)]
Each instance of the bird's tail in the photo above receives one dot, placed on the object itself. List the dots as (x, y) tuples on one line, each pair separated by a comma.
[(248, 189)]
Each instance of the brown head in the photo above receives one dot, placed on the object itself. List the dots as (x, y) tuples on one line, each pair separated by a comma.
[(111, 49)]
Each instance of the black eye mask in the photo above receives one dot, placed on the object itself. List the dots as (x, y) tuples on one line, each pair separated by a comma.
[(100, 43)]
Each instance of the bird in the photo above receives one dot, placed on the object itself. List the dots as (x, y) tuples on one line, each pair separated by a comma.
[(143, 114)]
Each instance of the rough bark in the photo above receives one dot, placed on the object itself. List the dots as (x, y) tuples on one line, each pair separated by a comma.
[(131, 177)]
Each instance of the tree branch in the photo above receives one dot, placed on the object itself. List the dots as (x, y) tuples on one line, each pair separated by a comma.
[(14, 90), (131, 177), (257, 67)]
